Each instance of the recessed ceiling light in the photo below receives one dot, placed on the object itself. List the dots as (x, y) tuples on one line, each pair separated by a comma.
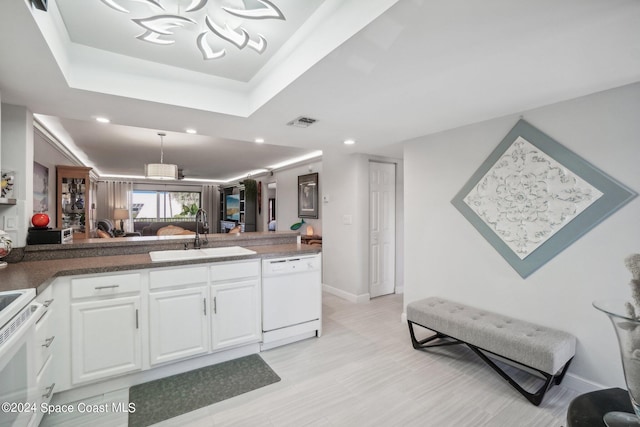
[(102, 120), (259, 140), (191, 131), (349, 142)]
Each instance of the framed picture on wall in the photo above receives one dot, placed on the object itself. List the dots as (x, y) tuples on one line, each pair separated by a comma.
[(40, 188), (308, 196)]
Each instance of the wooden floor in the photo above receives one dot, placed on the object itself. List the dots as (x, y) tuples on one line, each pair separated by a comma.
[(363, 371)]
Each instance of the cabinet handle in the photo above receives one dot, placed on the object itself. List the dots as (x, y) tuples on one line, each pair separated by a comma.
[(205, 306), (48, 341), (48, 302), (106, 287), (215, 305), (49, 391), (137, 324)]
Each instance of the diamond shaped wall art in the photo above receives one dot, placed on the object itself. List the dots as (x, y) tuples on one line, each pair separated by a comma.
[(532, 198)]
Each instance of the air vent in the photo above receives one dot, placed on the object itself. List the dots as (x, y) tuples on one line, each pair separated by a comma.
[(302, 122)]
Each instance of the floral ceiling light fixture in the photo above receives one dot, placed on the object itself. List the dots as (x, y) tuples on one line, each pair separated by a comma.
[(222, 21)]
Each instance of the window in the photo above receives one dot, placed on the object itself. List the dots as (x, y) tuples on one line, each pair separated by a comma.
[(150, 206)]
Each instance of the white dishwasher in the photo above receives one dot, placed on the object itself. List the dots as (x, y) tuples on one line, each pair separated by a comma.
[(291, 299)]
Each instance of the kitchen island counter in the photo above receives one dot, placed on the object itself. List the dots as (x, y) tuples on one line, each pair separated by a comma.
[(39, 274)]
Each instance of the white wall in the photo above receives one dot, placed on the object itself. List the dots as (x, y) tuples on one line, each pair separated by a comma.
[(345, 247), (287, 197), (16, 145), (343, 254), (446, 256), (48, 156)]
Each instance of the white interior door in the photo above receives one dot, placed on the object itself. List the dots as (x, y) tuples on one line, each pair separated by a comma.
[(382, 228)]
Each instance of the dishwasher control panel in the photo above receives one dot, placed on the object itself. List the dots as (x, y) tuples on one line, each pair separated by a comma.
[(290, 265)]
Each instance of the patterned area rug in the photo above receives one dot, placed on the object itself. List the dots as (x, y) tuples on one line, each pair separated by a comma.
[(172, 396)]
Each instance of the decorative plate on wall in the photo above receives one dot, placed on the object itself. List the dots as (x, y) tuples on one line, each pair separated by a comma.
[(532, 198), (6, 185)]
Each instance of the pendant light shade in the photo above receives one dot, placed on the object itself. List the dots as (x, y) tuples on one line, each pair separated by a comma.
[(162, 171)]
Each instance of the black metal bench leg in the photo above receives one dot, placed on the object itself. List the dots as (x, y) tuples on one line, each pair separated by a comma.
[(422, 344), (560, 377), (535, 397)]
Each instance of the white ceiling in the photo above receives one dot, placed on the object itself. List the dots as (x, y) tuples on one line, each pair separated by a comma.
[(93, 23), (379, 71)]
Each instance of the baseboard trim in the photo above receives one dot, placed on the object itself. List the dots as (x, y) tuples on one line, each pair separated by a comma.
[(579, 384), (358, 299)]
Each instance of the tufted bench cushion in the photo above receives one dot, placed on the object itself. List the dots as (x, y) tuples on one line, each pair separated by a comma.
[(539, 347)]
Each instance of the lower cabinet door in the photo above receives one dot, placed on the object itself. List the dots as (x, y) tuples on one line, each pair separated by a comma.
[(178, 324), (235, 313), (105, 338), (46, 386)]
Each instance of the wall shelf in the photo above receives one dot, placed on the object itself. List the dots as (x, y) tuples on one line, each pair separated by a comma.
[(73, 199), (247, 206), (5, 201)]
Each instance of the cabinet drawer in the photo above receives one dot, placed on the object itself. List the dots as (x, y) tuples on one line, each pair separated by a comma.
[(177, 277), (105, 285), (46, 382), (45, 337), (235, 270)]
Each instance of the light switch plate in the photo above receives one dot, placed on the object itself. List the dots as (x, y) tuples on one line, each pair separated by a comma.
[(10, 223)]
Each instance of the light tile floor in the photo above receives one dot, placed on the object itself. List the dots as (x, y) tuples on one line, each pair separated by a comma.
[(363, 371)]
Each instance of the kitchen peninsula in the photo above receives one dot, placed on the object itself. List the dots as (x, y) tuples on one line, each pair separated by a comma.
[(40, 264), (115, 316)]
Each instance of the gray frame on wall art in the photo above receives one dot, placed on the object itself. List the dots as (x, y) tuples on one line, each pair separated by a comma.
[(520, 172)]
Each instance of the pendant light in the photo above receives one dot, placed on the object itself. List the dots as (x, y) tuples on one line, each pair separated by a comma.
[(162, 171)]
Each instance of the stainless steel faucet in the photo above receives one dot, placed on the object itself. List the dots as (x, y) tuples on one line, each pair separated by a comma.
[(201, 218)]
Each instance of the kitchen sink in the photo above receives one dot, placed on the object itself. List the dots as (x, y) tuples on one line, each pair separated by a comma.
[(180, 255)]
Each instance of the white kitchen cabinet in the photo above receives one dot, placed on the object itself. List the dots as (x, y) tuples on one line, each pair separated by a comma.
[(178, 325), (105, 338), (116, 330), (45, 343), (46, 386), (178, 317), (235, 317), (45, 330), (235, 304)]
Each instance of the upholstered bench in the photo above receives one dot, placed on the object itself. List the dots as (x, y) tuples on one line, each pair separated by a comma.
[(545, 350)]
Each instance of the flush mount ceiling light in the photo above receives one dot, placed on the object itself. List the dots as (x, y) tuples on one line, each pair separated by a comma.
[(162, 171), (217, 22)]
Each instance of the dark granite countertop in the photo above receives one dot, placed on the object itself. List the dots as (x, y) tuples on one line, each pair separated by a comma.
[(141, 245), (39, 274)]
